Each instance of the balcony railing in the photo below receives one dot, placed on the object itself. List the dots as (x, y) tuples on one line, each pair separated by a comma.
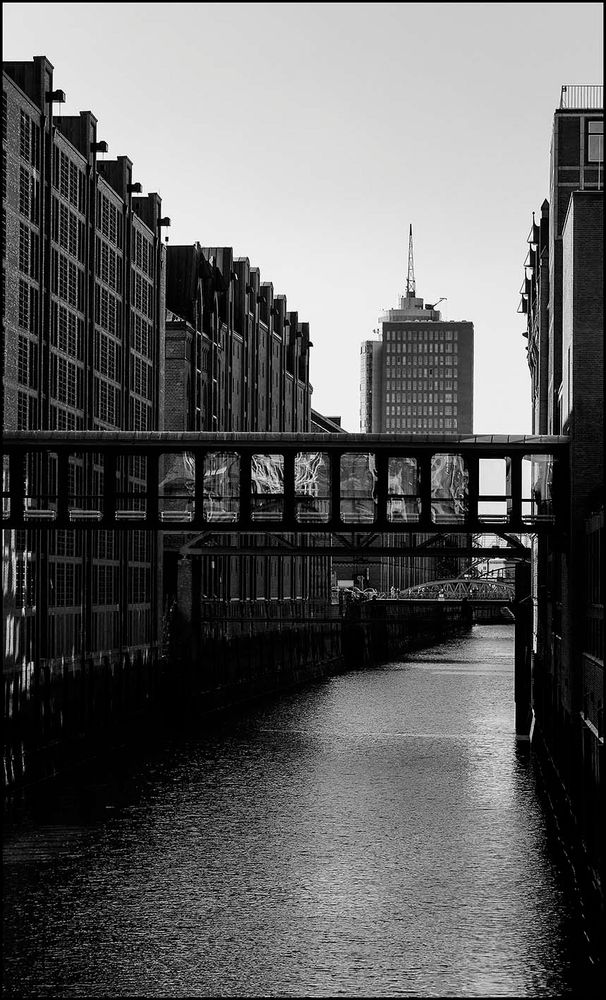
[(582, 97)]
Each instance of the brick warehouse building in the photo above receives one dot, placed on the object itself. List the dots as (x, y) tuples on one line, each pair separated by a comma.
[(85, 277), (562, 298), (237, 359), (83, 317)]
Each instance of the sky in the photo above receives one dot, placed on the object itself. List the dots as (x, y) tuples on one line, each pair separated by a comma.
[(309, 136)]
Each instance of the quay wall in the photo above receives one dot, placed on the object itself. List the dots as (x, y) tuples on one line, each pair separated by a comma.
[(62, 712), (379, 631)]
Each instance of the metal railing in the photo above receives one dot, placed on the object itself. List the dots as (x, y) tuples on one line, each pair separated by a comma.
[(582, 96)]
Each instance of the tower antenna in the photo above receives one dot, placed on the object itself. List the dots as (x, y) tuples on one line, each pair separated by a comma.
[(410, 281)]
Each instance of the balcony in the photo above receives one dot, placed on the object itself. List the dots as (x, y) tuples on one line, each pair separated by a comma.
[(582, 97)]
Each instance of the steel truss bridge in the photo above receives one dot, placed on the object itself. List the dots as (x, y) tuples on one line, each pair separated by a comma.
[(477, 589), (266, 493)]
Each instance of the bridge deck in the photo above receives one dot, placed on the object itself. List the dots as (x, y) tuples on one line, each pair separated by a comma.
[(260, 482)]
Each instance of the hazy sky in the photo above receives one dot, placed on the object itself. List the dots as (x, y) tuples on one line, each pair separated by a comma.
[(309, 136)]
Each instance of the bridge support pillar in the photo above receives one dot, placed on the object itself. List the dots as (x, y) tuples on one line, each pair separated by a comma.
[(522, 652)]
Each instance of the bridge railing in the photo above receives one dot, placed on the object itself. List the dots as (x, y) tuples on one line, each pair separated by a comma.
[(289, 482)]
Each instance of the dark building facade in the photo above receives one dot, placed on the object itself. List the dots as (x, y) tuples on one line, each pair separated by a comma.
[(83, 348), (562, 298)]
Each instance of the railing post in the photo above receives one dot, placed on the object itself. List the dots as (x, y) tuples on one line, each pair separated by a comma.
[(199, 457), (335, 488), (245, 488), (62, 487), (17, 467), (151, 506), (109, 487), (424, 466), (289, 488), (382, 467), (473, 487), (515, 466)]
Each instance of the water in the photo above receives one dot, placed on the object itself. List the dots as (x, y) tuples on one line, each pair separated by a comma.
[(375, 835)]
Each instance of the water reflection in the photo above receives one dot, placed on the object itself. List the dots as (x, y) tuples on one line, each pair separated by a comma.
[(375, 835)]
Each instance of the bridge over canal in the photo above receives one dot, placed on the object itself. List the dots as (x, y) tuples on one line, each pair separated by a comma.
[(314, 492)]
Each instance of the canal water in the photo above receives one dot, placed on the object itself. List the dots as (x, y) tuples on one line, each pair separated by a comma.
[(378, 834)]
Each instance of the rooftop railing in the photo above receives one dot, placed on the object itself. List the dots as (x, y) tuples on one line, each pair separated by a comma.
[(582, 96)]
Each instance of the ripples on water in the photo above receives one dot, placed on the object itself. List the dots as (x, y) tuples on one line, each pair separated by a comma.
[(374, 835)]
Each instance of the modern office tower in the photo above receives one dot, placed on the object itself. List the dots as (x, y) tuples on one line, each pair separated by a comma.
[(83, 316), (237, 359), (418, 377), (562, 298)]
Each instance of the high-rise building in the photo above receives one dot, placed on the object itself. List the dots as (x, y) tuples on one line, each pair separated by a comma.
[(418, 377), (83, 325), (563, 300)]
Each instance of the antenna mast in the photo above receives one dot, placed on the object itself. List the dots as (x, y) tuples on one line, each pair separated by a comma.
[(410, 281)]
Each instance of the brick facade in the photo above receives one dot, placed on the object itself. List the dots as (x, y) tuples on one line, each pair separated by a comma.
[(237, 359), (83, 348), (562, 298)]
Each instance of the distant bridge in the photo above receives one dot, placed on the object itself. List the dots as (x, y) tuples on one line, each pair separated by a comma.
[(348, 490), (478, 589)]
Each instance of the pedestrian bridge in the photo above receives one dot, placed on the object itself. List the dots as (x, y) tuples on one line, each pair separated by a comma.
[(263, 483), (477, 589)]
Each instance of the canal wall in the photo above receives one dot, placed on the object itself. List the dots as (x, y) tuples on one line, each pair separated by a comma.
[(577, 836), (60, 712), (378, 631)]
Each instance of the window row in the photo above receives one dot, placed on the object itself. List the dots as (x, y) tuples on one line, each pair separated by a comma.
[(143, 253), (421, 336), (29, 140), (65, 543), (68, 230), (141, 332), (106, 402), (408, 385), (67, 331), (140, 415), (416, 350), (416, 424), (69, 180), (143, 295), (141, 377), (64, 419), (27, 411), (421, 409), (109, 220), (27, 307), (139, 585), (29, 250), (419, 361), (29, 194), (27, 362), (108, 312), (421, 397), (106, 584), (64, 584), (67, 280), (108, 356), (66, 381), (108, 265)]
